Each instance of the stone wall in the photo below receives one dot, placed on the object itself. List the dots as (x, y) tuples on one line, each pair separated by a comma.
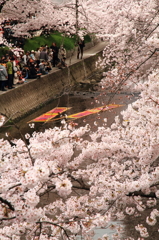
[(22, 100)]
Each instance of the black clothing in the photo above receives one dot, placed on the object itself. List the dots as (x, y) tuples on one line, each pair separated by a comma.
[(32, 72), (81, 45), (10, 80), (55, 59)]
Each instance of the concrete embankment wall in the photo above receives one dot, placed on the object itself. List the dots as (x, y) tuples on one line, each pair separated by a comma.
[(21, 101)]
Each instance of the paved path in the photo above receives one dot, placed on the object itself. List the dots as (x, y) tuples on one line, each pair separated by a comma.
[(89, 52)]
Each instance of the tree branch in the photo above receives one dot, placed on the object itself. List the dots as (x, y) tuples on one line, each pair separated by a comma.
[(141, 194), (130, 74), (6, 219), (83, 188), (23, 138), (57, 225), (7, 203)]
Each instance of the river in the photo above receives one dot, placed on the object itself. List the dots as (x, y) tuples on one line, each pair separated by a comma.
[(78, 100)]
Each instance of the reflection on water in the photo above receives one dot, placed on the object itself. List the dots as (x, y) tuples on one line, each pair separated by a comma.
[(79, 101), (99, 232), (109, 231)]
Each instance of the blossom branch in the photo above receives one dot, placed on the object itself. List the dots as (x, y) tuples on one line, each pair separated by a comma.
[(57, 225), (81, 183), (22, 136), (17, 185), (141, 194), (6, 219), (130, 74), (7, 203)]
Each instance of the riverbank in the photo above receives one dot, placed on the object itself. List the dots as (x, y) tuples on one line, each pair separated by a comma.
[(22, 100)]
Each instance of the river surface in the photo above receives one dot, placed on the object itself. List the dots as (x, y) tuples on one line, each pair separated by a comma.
[(78, 101)]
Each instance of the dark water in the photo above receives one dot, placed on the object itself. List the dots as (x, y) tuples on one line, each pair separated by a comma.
[(78, 101)]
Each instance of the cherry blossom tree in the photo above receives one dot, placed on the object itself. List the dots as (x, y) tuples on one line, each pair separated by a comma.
[(132, 44), (112, 172), (108, 175), (33, 15)]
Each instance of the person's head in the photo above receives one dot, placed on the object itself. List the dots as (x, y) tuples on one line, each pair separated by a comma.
[(41, 63), (12, 58), (3, 60)]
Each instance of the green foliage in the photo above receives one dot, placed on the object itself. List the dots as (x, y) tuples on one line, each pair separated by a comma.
[(87, 38), (3, 51), (36, 42), (58, 38)]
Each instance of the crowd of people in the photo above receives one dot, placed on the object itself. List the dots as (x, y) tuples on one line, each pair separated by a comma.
[(30, 65)]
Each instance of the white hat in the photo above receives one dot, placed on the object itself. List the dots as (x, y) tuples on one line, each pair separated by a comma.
[(32, 50)]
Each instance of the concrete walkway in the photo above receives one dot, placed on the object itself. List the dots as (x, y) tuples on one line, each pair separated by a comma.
[(89, 52)]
